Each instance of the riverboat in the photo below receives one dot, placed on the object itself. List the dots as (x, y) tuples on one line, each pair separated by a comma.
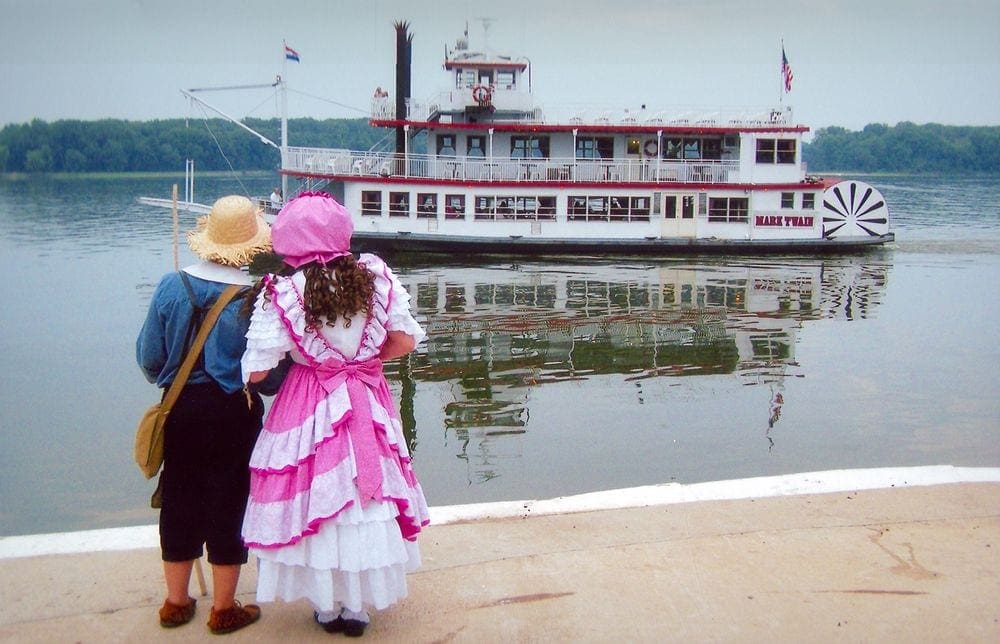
[(480, 167)]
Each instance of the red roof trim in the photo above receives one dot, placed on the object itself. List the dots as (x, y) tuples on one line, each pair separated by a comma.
[(613, 129), (454, 64)]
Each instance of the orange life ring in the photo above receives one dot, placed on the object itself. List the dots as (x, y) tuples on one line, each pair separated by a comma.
[(482, 94), (650, 147)]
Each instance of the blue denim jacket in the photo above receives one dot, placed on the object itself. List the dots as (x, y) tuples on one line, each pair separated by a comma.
[(160, 346)]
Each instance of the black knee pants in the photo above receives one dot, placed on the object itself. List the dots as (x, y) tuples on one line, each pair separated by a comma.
[(208, 439)]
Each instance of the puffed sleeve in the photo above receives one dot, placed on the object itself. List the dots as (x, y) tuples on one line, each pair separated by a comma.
[(400, 316), (267, 339), (391, 295)]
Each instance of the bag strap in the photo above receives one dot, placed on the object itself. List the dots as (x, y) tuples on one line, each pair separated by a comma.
[(192, 355)]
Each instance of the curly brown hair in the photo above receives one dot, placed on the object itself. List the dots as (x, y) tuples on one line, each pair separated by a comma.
[(343, 288)]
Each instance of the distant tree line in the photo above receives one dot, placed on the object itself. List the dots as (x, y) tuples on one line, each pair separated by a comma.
[(905, 147), (163, 145)]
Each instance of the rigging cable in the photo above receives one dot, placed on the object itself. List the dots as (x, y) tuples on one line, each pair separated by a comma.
[(223, 153)]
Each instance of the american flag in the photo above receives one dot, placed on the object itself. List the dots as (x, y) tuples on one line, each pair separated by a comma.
[(786, 70)]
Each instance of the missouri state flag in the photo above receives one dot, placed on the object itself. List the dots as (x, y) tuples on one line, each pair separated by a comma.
[(291, 54), (786, 70)]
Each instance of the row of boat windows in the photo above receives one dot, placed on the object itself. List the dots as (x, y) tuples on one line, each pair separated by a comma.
[(781, 151), (596, 297), (543, 207), (530, 207), (467, 78)]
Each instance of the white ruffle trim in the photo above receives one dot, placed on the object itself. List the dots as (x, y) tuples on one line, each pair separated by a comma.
[(360, 565), (267, 339), (332, 498)]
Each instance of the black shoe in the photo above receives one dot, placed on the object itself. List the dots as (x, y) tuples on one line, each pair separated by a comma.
[(352, 627), (336, 626)]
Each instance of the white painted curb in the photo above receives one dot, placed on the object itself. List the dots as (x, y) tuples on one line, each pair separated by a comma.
[(137, 537)]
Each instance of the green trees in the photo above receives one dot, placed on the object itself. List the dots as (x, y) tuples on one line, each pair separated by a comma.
[(905, 147), (162, 145)]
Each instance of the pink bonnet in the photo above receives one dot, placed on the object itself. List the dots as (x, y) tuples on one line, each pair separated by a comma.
[(312, 227)]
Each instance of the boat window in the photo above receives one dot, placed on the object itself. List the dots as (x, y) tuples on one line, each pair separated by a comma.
[(454, 206), (728, 209), (371, 203), (505, 205), (485, 208), (786, 150), (672, 149), (546, 207), (711, 148), (446, 145), (765, 150), (638, 209), (632, 146), (476, 146), (808, 200), (505, 79), (466, 78), (692, 148), (787, 199), (529, 147), (595, 147), (775, 150), (399, 204), (525, 206), (426, 205)]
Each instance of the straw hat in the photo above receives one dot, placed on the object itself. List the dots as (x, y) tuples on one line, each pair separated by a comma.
[(231, 233)]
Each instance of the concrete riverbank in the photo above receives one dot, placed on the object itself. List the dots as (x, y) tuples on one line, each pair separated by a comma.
[(908, 554)]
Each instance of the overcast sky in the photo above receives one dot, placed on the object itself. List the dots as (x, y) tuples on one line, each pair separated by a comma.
[(855, 61)]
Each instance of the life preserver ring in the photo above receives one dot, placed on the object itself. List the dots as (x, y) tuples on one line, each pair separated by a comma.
[(650, 147), (482, 94)]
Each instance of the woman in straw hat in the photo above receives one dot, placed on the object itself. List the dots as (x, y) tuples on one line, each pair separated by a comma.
[(212, 427), (335, 507)]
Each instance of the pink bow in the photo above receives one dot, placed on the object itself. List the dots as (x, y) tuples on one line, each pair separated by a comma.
[(359, 376)]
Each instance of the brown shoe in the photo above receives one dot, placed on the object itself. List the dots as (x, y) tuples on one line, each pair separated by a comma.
[(233, 618), (172, 615)]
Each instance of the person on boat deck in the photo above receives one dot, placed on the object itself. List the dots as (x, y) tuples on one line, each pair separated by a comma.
[(212, 427), (335, 507), (276, 199)]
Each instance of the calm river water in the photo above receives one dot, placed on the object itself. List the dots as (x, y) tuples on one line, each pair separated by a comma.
[(539, 378)]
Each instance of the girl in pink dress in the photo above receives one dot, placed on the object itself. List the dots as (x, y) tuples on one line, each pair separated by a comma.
[(335, 507)]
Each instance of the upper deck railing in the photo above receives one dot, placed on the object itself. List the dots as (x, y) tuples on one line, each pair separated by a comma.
[(518, 107), (338, 162)]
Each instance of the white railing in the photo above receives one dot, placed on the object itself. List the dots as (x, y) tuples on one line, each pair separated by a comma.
[(522, 104), (323, 161)]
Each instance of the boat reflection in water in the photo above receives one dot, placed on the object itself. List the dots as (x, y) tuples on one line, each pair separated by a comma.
[(600, 353)]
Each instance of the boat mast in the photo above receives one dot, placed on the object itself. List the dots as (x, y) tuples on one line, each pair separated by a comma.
[(189, 93)]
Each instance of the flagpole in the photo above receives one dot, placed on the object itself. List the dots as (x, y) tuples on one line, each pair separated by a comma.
[(284, 120), (781, 76)]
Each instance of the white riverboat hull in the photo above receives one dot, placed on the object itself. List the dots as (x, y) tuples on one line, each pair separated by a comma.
[(417, 242)]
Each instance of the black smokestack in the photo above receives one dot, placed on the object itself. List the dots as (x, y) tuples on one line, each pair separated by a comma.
[(404, 47)]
